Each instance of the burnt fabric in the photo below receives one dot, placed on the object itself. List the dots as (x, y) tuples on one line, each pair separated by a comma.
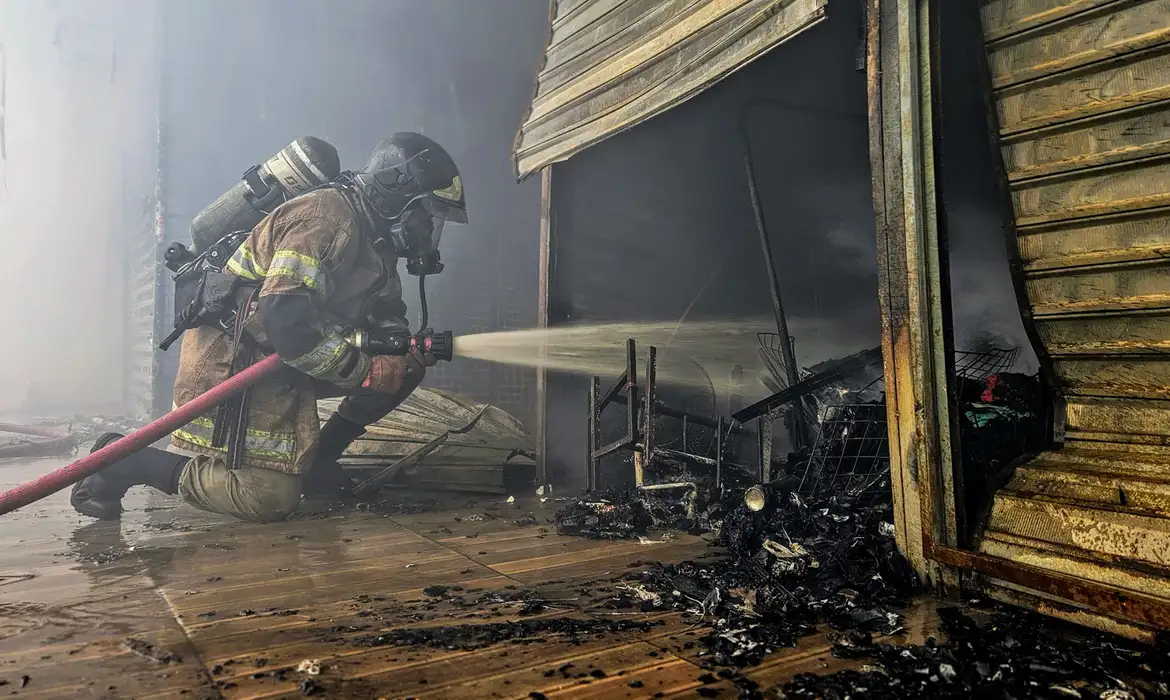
[(316, 276)]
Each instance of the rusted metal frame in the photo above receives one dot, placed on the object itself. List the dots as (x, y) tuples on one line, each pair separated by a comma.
[(1136, 607), (923, 320), (764, 425), (798, 426), (542, 306), (612, 447), (907, 288), (804, 387), (665, 410), (886, 198), (943, 343), (764, 412), (416, 455), (718, 453), (1049, 606), (639, 436), (631, 390), (937, 341), (598, 403), (613, 395), (643, 456), (593, 434)]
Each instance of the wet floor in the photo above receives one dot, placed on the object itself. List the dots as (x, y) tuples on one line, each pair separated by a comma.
[(172, 602)]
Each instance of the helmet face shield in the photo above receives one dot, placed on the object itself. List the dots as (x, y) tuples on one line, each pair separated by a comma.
[(447, 202)]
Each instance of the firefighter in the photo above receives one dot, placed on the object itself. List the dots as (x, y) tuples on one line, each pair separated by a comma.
[(319, 265)]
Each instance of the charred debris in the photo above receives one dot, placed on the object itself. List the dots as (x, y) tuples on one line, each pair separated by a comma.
[(809, 540)]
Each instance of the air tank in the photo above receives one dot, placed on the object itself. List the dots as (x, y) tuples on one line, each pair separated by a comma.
[(305, 163)]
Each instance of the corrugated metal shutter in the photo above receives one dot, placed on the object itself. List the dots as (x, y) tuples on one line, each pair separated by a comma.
[(1082, 90), (612, 64)]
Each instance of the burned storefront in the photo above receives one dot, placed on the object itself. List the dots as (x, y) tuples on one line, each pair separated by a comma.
[(788, 159), (658, 223)]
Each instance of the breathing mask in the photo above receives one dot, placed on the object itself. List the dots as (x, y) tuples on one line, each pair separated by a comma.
[(412, 187)]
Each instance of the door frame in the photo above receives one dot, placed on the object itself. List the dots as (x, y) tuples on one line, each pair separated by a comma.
[(902, 41)]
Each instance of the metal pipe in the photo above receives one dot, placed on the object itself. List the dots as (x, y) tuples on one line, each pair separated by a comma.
[(799, 425), (760, 496), (797, 417), (664, 410)]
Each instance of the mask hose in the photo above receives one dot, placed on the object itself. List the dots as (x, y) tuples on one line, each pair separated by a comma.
[(422, 302)]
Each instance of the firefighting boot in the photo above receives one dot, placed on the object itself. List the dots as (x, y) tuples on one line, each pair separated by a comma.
[(326, 477), (100, 495)]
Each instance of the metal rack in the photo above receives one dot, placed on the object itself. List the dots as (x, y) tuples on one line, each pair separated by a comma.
[(851, 455), (981, 365), (642, 408)]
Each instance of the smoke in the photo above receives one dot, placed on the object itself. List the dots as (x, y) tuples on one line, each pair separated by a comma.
[(61, 110), (83, 86), (101, 102), (983, 298), (242, 79)]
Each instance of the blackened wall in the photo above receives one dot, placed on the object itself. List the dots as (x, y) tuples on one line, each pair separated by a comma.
[(241, 80)]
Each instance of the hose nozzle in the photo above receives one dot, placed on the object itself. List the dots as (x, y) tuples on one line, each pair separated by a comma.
[(441, 344)]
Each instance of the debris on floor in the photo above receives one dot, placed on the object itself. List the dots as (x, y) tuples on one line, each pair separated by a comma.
[(790, 567), (469, 637), (817, 547), (152, 652), (485, 448), (309, 667), (1016, 654)]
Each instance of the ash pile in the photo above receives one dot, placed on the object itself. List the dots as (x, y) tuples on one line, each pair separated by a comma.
[(792, 562), (790, 567)]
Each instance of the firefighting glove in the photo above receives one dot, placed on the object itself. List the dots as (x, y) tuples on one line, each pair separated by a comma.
[(388, 374)]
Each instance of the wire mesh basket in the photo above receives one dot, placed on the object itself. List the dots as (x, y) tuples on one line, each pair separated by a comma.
[(979, 365), (852, 453), (773, 356)]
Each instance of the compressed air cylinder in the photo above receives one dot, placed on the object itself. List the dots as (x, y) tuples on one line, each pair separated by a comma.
[(305, 163)]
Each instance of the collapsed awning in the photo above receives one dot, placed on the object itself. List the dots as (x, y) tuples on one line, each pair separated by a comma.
[(612, 64)]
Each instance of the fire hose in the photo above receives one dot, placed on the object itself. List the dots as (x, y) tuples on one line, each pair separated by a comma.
[(439, 344)]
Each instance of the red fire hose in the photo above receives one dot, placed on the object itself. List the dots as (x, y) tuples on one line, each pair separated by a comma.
[(93, 463)]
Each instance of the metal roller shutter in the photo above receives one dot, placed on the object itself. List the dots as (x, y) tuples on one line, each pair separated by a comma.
[(1082, 94)]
